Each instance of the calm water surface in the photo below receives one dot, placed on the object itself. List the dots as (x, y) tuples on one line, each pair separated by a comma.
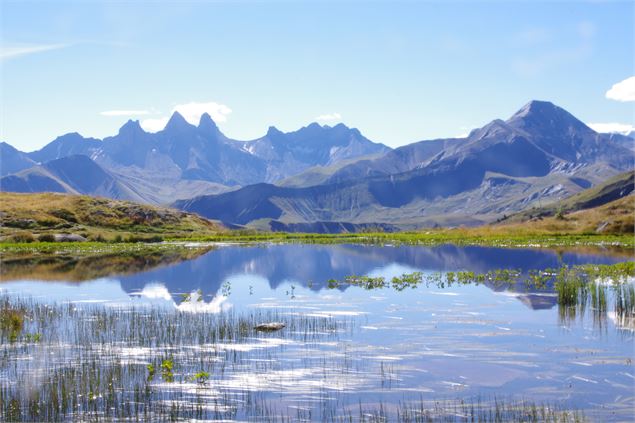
[(391, 347)]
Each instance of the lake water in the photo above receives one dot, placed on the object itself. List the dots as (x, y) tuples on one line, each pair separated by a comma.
[(382, 350)]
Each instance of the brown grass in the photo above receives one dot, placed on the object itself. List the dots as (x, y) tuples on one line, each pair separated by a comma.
[(616, 217), (93, 217)]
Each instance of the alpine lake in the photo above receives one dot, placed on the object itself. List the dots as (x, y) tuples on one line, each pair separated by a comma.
[(367, 333)]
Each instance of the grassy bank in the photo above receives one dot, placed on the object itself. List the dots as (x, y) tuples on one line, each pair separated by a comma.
[(31, 223), (40, 217), (460, 237), (486, 236)]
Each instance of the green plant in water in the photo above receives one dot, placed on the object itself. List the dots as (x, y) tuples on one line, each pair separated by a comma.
[(151, 371), (167, 366), (201, 377), (11, 322), (33, 337)]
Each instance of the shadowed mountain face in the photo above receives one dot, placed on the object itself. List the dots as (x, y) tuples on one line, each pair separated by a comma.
[(12, 160), (290, 153), (74, 174), (185, 160), (542, 153)]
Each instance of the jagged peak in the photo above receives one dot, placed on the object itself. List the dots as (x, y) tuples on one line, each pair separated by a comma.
[(537, 106), (538, 113), (313, 125), (273, 131), (207, 124), (131, 126), (177, 122)]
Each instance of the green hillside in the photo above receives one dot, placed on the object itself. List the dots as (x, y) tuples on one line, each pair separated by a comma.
[(25, 217)]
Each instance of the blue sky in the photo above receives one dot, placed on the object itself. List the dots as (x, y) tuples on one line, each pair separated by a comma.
[(398, 71)]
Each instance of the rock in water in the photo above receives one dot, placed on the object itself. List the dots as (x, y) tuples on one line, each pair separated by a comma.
[(269, 327), (69, 238)]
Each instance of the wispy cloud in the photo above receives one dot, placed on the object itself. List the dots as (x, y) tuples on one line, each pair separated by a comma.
[(612, 128), (12, 51), (192, 113), (623, 90), (125, 112), (329, 117)]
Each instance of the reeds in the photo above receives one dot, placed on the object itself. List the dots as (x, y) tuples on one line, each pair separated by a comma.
[(116, 364)]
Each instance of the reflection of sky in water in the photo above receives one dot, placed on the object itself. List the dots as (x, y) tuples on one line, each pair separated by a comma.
[(463, 340)]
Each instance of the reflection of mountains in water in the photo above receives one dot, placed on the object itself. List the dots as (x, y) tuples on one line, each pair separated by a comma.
[(316, 264)]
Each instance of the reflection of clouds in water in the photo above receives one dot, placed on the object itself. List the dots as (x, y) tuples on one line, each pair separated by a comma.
[(193, 304), (108, 292), (156, 291), (392, 270)]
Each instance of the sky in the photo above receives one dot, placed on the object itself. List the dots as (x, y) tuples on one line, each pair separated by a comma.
[(399, 71)]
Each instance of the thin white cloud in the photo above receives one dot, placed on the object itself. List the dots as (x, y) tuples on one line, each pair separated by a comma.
[(612, 128), (329, 117), (623, 90), (12, 51), (192, 113), (125, 112)]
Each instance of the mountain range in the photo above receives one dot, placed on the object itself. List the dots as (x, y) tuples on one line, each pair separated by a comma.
[(184, 160), (540, 154), (329, 179)]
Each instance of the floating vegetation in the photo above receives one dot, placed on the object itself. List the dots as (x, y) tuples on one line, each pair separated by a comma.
[(575, 286)]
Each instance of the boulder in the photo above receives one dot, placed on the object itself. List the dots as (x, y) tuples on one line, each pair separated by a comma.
[(269, 327)]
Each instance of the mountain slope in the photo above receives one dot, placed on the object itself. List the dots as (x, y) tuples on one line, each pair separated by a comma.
[(614, 217), (541, 154), (613, 189), (288, 154), (555, 136), (74, 175), (13, 160)]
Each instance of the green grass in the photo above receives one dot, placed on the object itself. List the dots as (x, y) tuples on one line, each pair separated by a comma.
[(475, 236), (30, 219)]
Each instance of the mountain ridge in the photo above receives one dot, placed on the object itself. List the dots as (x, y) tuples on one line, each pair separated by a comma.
[(184, 160), (541, 153)]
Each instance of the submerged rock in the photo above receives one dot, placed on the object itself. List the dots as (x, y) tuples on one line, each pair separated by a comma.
[(269, 327), (69, 238)]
